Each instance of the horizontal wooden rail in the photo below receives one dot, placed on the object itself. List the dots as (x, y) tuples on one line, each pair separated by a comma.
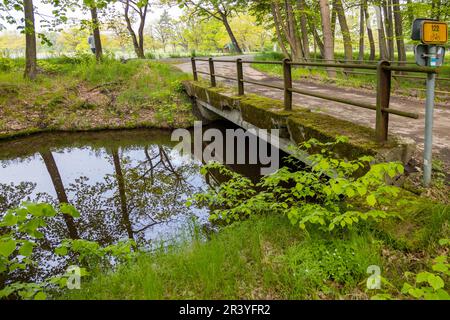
[(384, 73)]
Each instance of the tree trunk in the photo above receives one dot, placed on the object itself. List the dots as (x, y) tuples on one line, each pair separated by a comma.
[(122, 194), (30, 41), (333, 26), (327, 36), (143, 16), (276, 20), (292, 31), (381, 36), (348, 50), (304, 28), (134, 39), (361, 32), (399, 31), (53, 171), (230, 33), (387, 11), (96, 33), (369, 32)]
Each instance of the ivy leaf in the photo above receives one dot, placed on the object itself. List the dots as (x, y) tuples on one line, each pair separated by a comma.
[(7, 247)]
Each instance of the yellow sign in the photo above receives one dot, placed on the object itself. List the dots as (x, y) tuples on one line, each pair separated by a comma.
[(434, 32)]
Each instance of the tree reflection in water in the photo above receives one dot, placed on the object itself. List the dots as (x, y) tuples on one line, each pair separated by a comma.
[(146, 188)]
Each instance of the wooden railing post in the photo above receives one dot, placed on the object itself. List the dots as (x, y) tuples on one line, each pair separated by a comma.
[(212, 72), (383, 97), (287, 74), (240, 77), (194, 69)]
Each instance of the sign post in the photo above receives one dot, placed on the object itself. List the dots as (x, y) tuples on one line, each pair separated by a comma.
[(431, 33)]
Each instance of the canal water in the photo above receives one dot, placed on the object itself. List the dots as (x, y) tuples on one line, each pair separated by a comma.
[(126, 185)]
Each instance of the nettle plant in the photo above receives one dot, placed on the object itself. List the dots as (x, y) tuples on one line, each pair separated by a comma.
[(327, 194), (21, 229)]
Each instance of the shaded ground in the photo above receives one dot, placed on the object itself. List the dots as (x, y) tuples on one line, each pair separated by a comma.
[(411, 128)]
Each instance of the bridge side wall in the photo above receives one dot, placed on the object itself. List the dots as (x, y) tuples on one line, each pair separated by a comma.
[(298, 125)]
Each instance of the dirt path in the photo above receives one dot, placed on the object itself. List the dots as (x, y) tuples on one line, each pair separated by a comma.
[(411, 128)]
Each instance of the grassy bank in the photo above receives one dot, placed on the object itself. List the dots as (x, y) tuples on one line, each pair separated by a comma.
[(81, 94), (266, 257), (402, 86)]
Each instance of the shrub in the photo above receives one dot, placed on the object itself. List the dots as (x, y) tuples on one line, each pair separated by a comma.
[(327, 195)]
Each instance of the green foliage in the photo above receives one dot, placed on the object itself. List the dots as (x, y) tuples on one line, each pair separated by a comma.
[(20, 228), (317, 262), (328, 195), (427, 285), (19, 231), (93, 256)]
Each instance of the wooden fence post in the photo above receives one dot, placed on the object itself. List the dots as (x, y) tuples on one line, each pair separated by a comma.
[(383, 97), (240, 77), (212, 72), (194, 69), (287, 73)]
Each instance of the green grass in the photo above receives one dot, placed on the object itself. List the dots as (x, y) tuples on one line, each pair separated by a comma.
[(400, 85), (265, 257), (81, 94), (262, 258)]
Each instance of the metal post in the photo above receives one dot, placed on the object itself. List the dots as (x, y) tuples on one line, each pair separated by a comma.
[(212, 72), (429, 108), (287, 72), (194, 69), (240, 77), (383, 97)]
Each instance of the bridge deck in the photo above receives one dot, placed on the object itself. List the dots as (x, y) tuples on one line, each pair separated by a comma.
[(398, 125)]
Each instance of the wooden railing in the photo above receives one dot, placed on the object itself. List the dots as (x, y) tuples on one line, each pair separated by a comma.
[(382, 69)]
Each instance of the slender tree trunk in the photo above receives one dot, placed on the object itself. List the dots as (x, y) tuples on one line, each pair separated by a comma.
[(122, 194), (96, 33), (399, 31), (137, 48), (361, 32), (387, 11), (230, 33), (327, 36), (55, 176), (369, 32), (381, 35), (348, 50), (304, 28), (276, 20), (30, 41), (333, 26), (143, 16), (292, 31)]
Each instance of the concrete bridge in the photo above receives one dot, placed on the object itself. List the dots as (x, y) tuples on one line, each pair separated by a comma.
[(404, 132)]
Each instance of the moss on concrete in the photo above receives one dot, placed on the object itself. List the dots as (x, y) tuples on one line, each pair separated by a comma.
[(301, 123)]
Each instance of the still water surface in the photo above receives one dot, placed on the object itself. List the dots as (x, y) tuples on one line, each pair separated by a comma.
[(126, 185)]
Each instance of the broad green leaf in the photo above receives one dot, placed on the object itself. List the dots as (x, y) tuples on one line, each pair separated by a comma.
[(26, 249), (69, 210), (435, 282), (40, 296), (7, 247), (371, 200)]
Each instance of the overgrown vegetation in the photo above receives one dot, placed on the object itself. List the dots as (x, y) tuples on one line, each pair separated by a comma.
[(316, 233), (78, 93)]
